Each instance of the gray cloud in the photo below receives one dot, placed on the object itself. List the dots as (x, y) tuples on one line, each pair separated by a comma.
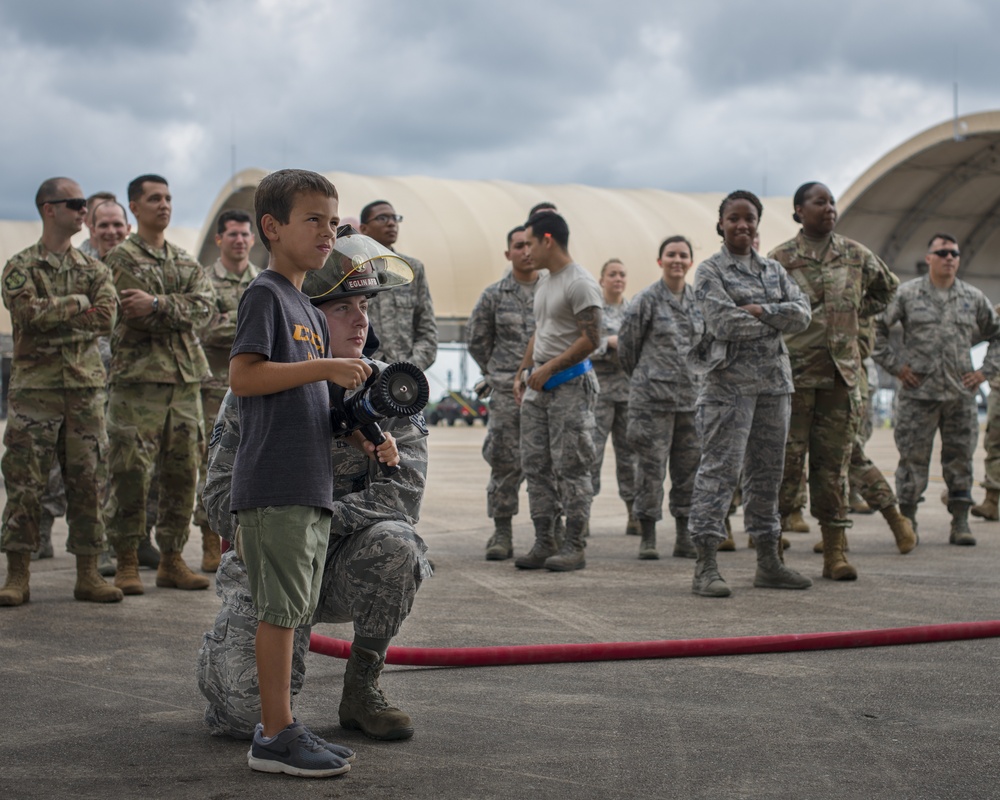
[(96, 24), (672, 95)]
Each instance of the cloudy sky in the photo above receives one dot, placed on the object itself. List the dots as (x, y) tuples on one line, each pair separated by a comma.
[(685, 96)]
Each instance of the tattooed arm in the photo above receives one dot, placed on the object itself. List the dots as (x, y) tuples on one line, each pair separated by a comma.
[(588, 323)]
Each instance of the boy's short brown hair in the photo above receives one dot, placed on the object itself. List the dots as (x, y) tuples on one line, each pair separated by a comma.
[(276, 194)]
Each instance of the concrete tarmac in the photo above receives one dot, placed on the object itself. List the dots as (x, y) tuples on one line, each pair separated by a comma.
[(101, 701)]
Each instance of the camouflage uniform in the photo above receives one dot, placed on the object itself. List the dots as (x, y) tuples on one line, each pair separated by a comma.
[(611, 414), (992, 439), (58, 306), (404, 319), (845, 282), (938, 330), (864, 477), (89, 250), (653, 343), (217, 342), (743, 405), (154, 415), (497, 333), (557, 440), (375, 564)]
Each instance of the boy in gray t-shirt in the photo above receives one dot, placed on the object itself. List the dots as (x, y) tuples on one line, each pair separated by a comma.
[(282, 475)]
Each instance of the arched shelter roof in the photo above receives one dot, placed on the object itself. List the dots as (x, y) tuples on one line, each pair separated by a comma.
[(946, 178), (458, 228)]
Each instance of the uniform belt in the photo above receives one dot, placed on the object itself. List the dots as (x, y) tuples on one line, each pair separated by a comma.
[(568, 374)]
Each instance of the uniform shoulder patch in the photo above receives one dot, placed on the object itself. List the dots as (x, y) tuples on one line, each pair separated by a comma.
[(15, 280)]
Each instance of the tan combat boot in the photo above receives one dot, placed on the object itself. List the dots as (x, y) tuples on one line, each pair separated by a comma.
[(990, 507), (210, 550), (90, 586), (902, 529), (173, 573), (363, 706), (127, 574), (15, 591), (794, 523), (818, 547), (835, 566), (858, 504)]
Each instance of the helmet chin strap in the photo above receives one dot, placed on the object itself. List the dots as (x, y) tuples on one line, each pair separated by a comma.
[(372, 343)]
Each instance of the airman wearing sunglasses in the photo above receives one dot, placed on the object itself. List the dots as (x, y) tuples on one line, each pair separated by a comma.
[(941, 317), (60, 301), (403, 318)]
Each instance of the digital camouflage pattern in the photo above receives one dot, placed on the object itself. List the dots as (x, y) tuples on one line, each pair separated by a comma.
[(58, 305), (502, 451), (845, 284), (743, 407), (917, 421), (404, 319), (607, 368), (498, 331), (752, 352), (939, 328), (499, 328), (657, 435), (938, 331), (161, 347), (653, 343), (89, 250), (375, 564), (611, 414), (557, 448), (744, 435), (217, 341)]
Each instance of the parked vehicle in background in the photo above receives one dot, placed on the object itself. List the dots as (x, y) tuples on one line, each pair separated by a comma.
[(455, 406)]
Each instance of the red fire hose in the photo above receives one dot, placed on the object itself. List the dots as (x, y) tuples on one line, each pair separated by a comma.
[(670, 648)]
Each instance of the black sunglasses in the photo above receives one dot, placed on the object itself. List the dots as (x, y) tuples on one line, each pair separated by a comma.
[(944, 252), (72, 203)]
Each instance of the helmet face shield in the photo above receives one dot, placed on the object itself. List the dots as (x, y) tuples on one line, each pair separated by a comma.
[(358, 265)]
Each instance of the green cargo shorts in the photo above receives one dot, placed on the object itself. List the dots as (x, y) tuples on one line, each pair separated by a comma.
[(284, 548)]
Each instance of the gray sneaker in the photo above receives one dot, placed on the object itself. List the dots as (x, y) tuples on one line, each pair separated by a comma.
[(295, 751)]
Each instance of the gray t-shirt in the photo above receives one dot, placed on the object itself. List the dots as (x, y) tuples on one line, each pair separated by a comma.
[(284, 457), (558, 299)]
